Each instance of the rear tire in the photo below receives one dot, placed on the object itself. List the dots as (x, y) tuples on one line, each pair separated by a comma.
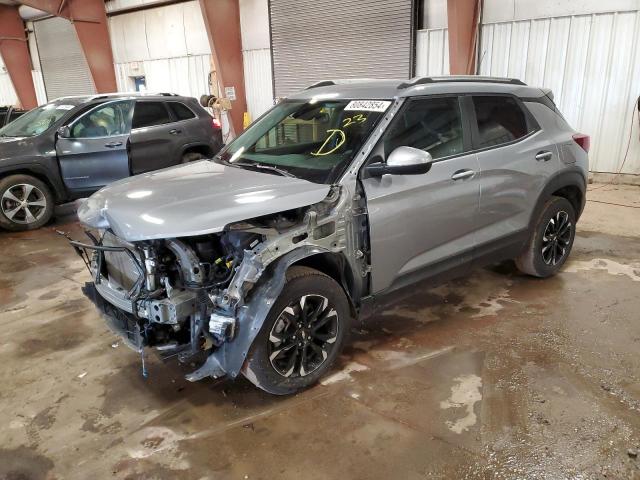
[(302, 335), (551, 241), (192, 157), (26, 203)]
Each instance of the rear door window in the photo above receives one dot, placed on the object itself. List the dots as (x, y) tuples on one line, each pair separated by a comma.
[(500, 120), (148, 114), (181, 111)]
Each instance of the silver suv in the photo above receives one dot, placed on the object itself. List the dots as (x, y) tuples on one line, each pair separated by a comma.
[(256, 262)]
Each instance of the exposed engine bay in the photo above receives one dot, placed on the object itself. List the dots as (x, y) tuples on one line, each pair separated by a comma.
[(204, 298)]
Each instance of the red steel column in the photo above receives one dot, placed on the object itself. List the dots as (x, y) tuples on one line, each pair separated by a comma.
[(15, 54), (90, 21), (463, 35), (222, 20)]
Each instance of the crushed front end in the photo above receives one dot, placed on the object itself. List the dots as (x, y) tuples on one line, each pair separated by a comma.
[(199, 298)]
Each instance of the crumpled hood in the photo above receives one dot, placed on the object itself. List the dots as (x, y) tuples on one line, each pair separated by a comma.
[(194, 199)]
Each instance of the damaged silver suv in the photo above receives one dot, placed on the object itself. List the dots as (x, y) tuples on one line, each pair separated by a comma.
[(257, 261)]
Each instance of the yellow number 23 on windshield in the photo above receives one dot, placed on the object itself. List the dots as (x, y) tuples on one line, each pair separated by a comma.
[(334, 134)]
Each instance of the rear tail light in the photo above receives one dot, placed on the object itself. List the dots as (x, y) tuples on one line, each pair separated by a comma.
[(216, 124), (583, 140)]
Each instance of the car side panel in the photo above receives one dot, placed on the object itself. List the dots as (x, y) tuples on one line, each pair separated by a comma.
[(153, 147), (419, 221), (90, 163), (512, 179)]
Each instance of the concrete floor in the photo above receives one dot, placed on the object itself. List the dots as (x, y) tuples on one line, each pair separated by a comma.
[(496, 375)]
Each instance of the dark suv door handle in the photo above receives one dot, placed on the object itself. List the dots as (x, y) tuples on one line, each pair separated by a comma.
[(113, 144), (462, 174), (175, 131), (544, 156)]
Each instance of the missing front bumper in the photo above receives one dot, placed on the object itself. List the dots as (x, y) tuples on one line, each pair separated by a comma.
[(119, 322)]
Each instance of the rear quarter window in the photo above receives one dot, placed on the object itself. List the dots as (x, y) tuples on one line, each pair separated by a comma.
[(148, 114), (181, 111), (500, 120)]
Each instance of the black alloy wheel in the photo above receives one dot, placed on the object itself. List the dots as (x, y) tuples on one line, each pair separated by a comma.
[(303, 336), (556, 238)]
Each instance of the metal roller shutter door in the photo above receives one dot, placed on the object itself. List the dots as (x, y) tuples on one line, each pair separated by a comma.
[(64, 68), (323, 39)]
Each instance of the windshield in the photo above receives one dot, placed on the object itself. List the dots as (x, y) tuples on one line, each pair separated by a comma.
[(35, 121), (313, 140)]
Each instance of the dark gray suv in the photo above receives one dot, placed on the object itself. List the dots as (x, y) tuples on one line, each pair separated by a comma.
[(73, 146)]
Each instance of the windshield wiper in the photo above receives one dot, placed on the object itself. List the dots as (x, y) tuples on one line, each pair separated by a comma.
[(262, 166)]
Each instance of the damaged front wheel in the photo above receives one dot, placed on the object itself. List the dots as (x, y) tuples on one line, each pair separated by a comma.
[(302, 335)]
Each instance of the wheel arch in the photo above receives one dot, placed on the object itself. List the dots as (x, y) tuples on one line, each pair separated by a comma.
[(201, 148), (41, 174), (231, 356), (570, 184), (335, 265)]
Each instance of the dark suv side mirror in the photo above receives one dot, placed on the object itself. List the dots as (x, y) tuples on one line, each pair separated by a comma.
[(402, 161), (64, 131)]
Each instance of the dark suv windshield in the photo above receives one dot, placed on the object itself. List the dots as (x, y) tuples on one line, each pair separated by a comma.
[(36, 121), (313, 140)]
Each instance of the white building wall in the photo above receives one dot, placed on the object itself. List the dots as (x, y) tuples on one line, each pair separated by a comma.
[(432, 52), (256, 56), (592, 64), (167, 45), (7, 92), (586, 51)]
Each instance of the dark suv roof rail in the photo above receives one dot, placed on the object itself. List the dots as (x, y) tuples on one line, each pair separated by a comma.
[(342, 81), (323, 83), (459, 78), (100, 96)]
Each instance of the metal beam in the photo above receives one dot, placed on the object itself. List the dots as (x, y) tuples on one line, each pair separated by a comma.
[(15, 54), (222, 21), (462, 19), (90, 21)]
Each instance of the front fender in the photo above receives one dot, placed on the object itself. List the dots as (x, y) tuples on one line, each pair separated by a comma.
[(251, 316)]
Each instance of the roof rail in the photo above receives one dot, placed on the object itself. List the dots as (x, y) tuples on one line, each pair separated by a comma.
[(129, 94), (458, 78), (323, 83), (342, 81)]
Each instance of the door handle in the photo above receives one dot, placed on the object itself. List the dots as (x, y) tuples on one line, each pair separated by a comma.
[(175, 131), (113, 144), (544, 156), (462, 174)]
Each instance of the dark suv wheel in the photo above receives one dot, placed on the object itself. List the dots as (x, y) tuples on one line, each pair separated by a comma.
[(551, 240), (26, 203), (302, 335)]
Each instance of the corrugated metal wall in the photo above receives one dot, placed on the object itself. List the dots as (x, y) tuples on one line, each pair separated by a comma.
[(592, 63), (258, 81), (182, 75), (64, 68), (432, 52), (167, 45), (7, 92), (256, 56), (321, 39)]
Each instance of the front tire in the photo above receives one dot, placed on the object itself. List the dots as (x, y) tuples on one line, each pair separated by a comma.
[(26, 203), (551, 241), (302, 335)]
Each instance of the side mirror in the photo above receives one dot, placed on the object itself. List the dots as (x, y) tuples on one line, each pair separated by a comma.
[(402, 161), (64, 132)]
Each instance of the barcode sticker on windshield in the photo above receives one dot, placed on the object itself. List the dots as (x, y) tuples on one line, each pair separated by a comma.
[(368, 105), (64, 107)]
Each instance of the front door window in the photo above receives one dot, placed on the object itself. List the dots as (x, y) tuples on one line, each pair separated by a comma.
[(108, 120)]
